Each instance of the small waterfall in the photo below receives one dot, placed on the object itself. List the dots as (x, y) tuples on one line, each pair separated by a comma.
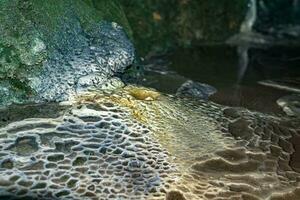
[(247, 29), (250, 18), (243, 61)]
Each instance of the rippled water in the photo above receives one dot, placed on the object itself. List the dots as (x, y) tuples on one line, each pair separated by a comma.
[(136, 143)]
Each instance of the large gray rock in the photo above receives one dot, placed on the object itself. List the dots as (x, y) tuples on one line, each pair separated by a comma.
[(49, 52)]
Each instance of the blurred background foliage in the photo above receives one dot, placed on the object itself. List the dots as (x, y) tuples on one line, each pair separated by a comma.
[(276, 13), (158, 25)]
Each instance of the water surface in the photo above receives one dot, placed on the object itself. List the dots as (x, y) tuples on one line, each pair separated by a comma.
[(219, 66)]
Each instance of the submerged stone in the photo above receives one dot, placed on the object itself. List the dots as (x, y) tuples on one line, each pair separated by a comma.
[(196, 90)]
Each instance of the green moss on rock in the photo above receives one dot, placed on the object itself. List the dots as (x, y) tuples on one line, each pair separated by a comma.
[(32, 30)]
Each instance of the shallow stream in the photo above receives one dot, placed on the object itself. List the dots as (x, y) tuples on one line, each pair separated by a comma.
[(138, 143), (219, 67), (204, 123)]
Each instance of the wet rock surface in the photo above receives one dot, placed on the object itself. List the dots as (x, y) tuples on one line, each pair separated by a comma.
[(56, 50), (95, 62), (196, 90), (118, 145)]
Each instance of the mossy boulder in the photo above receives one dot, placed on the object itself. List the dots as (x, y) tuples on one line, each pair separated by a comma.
[(41, 37)]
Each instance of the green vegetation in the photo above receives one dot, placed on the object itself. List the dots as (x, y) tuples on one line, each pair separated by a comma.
[(160, 24), (31, 30)]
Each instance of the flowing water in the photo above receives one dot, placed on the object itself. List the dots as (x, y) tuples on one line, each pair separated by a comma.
[(136, 143), (128, 141)]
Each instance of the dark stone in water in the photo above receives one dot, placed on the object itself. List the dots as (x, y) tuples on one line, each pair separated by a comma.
[(241, 129), (175, 195), (231, 113), (195, 90)]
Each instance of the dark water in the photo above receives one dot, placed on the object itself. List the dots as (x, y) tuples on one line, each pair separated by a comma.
[(219, 66)]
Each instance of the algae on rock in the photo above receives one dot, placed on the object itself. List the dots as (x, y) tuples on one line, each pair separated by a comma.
[(36, 34)]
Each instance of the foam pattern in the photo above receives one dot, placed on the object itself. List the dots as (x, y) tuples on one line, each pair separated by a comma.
[(138, 144), (84, 154)]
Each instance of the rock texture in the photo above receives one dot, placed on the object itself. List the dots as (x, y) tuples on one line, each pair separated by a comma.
[(49, 52)]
